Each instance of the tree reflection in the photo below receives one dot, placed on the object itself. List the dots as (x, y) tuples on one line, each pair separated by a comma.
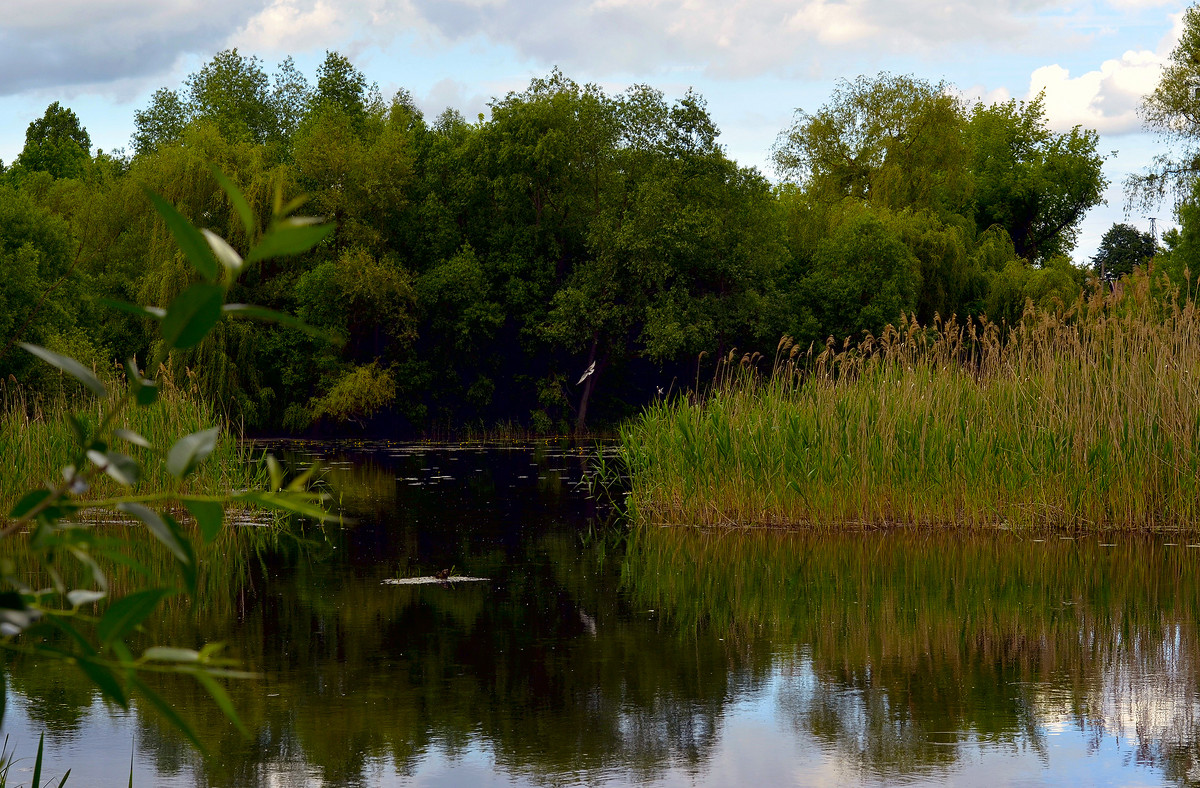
[(591, 654)]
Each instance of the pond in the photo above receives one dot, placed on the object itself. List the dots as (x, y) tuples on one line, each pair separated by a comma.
[(594, 655)]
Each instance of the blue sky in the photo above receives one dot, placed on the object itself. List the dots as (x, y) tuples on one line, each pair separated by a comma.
[(755, 61)]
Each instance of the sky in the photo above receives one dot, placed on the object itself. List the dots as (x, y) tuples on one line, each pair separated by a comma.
[(755, 61)]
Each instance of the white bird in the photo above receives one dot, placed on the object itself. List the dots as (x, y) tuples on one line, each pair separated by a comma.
[(591, 368)]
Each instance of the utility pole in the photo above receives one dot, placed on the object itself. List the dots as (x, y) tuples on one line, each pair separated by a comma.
[(1154, 237)]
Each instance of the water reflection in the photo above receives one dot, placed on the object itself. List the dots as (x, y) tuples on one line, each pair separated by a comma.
[(662, 656)]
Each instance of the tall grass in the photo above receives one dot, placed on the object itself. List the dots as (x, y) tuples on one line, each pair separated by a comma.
[(1085, 418), (36, 441)]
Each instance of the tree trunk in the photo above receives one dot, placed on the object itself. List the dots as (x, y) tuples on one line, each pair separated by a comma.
[(588, 386)]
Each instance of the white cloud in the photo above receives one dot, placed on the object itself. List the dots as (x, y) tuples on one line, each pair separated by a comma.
[(1105, 99), (731, 38), (83, 42), (294, 25)]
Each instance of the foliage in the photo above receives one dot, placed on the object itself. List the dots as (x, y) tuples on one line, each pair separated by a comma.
[(56, 143), (359, 393), (1173, 110), (896, 140), (488, 264), (63, 621), (1123, 248), (1034, 183)]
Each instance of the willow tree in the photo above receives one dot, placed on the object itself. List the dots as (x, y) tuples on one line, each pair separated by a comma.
[(1173, 111)]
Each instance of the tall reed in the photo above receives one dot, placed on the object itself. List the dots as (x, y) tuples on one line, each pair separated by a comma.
[(36, 441), (1085, 418)]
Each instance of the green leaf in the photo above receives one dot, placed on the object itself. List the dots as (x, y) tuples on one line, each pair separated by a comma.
[(84, 596), (167, 711), (192, 315), (79, 429), (189, 450), (118, 557), (29, 501), (275, 471), (37, 764), (61, 623), (154, 312), (300, 483), (117, 465), (239, 202), (127, 613), (171, 654), (225, 254), (70, 366), (296, 503), (147, 394), (209, 516), (187, 568), (159, 528), (291, 236), (131, 437), (218, 694), (194, 247), (11, 600), (282, 318)]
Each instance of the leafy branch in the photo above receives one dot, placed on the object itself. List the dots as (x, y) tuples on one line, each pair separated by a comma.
[(54, 622)]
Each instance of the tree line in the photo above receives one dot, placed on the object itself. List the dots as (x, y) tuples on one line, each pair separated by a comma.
[(565, 259)]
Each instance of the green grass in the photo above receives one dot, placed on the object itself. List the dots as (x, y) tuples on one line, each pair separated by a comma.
[(1087, 419), (36, 441)]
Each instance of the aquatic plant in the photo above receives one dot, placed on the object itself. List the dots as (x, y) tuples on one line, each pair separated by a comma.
[(36, 435), (1087, 417)]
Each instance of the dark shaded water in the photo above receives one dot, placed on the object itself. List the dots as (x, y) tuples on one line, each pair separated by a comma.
[(662, 657)]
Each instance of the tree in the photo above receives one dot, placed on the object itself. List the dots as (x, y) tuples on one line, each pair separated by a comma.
[(863, 276), (1123, 248), (56, 143), (290, 96), (1173, 111), (683, 252), (1034, 183), (160, 123), (232, 91), (341, 88), (896, 140)]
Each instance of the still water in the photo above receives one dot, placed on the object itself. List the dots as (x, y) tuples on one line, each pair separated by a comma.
[(595, 655)]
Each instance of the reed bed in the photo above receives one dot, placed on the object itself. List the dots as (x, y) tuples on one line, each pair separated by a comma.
[(36, 441), (1084, 418)]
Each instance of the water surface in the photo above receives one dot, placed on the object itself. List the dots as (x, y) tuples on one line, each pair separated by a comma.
[(596, 655)]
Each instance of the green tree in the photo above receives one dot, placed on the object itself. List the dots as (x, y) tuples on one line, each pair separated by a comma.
[(232, 91), (1036, 184), (1173, 111), (341, 88), (895, 140), (863, 277), (1123, 248), (56, 143), (290, 97), (160, 123)]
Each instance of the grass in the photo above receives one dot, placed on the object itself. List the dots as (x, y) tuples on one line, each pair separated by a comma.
[(1086, 418), (36, 440)]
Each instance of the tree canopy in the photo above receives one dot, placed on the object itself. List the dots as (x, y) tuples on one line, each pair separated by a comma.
[(479, 269)]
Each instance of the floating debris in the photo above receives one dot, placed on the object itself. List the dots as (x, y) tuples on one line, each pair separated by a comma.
[(431, 580)]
